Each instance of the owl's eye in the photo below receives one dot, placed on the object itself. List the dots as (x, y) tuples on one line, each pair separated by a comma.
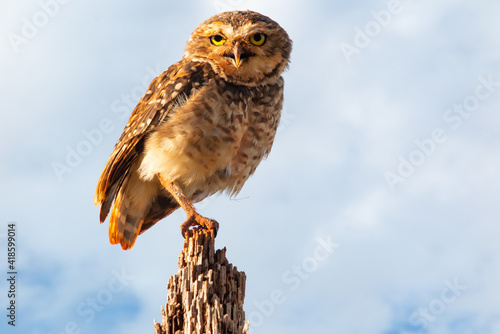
[(258, 39), (217, 40)]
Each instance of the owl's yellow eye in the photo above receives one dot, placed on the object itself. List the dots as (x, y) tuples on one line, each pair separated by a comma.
[(217, 40), (258, 39)]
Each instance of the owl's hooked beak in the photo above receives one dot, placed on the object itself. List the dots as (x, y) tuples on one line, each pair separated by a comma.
[(239, 54)]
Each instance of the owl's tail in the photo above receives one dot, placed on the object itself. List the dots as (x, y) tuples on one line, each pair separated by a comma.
[(138, 205), (123, 227), (129, 212)]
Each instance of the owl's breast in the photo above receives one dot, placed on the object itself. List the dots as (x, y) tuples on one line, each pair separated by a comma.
[(215, 140), (199, 139), (264, 111)]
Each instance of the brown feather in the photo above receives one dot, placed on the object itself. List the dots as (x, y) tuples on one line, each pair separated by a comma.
[(203, 125), (162, 207), (154, 107)]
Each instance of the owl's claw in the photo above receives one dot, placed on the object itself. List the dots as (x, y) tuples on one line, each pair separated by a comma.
[(193, 217), (198, 220)]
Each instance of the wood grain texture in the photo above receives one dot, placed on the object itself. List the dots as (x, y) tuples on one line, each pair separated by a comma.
[(206, 296)]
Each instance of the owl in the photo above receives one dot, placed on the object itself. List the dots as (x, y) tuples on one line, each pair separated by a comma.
[(202, 127)]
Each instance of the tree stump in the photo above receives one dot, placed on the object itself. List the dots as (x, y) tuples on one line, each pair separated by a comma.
[(206, 296)]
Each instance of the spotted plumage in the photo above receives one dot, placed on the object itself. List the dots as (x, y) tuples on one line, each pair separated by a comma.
[(202, 127)]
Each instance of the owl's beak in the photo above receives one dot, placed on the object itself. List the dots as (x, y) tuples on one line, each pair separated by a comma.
[(238, 55)]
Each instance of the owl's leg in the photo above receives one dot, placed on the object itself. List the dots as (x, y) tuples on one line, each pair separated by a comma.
[(193, 217)]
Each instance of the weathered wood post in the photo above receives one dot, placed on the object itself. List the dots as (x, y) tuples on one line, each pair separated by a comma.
[(206, 296)]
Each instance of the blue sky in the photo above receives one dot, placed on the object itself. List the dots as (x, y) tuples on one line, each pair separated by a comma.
[(376, 211)]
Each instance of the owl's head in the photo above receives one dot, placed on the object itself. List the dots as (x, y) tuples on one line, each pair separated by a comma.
[(244, 47)]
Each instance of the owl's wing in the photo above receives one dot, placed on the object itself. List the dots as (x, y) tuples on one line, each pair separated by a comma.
[(169, 89)]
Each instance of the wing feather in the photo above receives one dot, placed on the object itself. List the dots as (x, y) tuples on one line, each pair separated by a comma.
[(164, 93)]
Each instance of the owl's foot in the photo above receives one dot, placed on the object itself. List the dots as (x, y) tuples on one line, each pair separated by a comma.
[(198, 220), (194, 218)]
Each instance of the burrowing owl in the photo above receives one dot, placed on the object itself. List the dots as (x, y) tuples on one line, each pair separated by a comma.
[(202, 127)]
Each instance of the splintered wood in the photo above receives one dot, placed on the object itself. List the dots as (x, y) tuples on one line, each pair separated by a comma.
[(206, 296)]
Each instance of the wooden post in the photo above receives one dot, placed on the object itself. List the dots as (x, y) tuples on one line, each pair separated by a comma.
[(206, 295)]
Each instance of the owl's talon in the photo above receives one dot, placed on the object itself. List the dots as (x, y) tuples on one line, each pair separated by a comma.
[(198, 220), (214, 227)]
